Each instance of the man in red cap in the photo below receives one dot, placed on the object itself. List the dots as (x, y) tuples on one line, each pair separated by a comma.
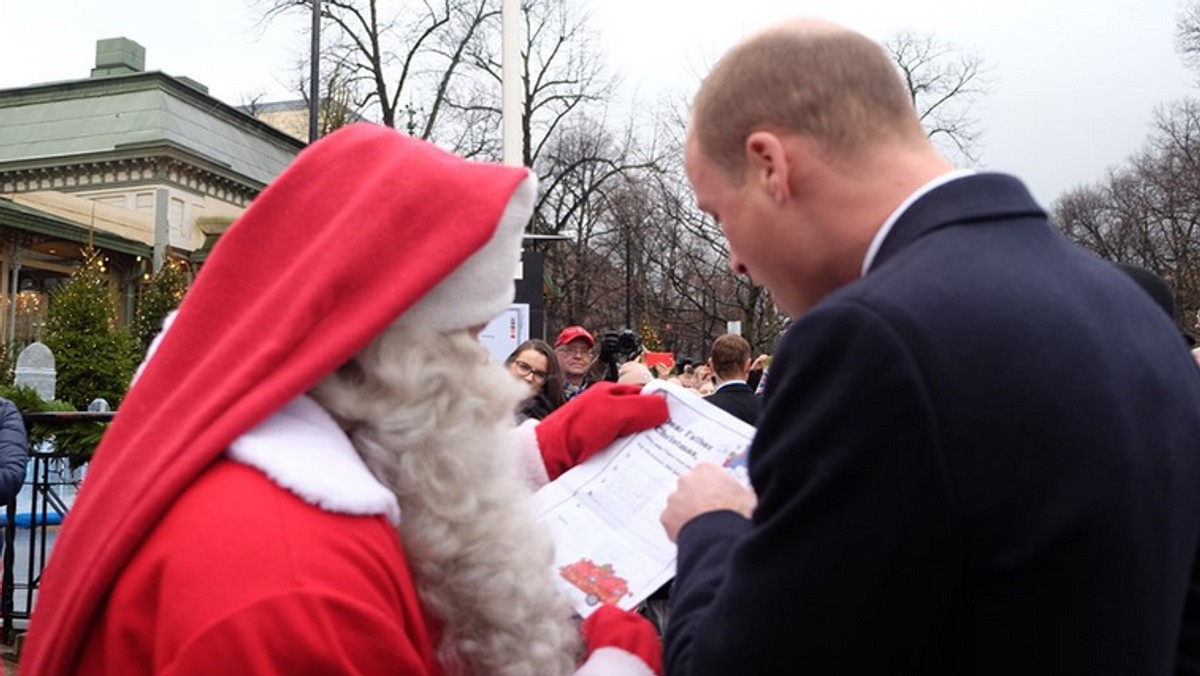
[(315, 472), (576, 350)]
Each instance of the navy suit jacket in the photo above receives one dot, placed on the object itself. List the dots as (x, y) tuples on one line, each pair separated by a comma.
[(737, 399), (983, 457)]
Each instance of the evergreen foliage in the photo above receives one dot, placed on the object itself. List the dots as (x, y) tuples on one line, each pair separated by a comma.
[(94, 356), (165, 293), (651, 341), (77, 440), (8, 362)]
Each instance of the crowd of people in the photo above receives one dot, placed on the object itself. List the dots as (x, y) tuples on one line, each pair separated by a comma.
[(977, 450), (727, 379)]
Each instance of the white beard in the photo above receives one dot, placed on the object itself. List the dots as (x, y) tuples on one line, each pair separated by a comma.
[(432, 421)]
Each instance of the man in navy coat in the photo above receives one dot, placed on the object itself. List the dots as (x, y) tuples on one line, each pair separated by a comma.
[(730, 363), (979, 452)]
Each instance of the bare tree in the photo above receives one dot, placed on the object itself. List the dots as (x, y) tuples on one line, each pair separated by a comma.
[(252, 103), (1147, 212), (339, 102), (411, 52), (944, 82), (1187, 35), (587, 165), (635, 250), (584, 197), (1085, 217), (561, 74)]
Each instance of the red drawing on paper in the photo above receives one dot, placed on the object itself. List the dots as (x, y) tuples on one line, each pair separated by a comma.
[(599, 582)]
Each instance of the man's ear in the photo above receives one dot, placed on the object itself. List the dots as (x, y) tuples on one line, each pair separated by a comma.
[(767, 164)]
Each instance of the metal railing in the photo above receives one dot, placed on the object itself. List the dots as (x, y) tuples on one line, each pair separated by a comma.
[(49, 479)]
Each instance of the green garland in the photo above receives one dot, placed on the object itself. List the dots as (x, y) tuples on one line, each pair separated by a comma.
[(77, 440)]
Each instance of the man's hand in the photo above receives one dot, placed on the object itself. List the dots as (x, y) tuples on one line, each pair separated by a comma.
[(634, 373), (708, 488)]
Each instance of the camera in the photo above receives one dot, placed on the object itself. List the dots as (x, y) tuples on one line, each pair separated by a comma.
[(618, 348)]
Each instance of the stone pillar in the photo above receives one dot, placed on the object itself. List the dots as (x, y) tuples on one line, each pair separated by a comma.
[(35, 368)]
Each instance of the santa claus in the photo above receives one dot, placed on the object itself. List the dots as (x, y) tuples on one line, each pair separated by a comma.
[(315, 471)]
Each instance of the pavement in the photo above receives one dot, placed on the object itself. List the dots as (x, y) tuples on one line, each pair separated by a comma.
[(22, 550), (8, 660)]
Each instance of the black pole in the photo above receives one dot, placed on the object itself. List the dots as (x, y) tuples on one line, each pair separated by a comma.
[(6, 595), (628, 277), (314, 87)]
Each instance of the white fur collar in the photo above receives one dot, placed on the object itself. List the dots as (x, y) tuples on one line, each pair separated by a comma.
[(302, 449)]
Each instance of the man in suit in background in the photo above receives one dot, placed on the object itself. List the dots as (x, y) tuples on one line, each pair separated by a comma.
[(1156, 286), (730, 362), (980, 449)]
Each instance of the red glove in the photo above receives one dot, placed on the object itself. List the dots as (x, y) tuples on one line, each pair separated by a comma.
[(580, 428), (611, 627)]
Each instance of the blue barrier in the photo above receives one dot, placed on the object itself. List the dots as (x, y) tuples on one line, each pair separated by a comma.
[(25, 519)]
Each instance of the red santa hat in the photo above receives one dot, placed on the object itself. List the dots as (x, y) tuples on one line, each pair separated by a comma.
[(367, 227)]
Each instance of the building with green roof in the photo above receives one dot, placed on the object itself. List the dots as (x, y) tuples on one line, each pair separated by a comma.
[(141, 164)]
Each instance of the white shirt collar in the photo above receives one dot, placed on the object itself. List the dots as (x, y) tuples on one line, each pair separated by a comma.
[(891, 220), (732, 381)]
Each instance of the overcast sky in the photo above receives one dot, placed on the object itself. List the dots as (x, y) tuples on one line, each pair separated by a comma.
[(1074, 83)]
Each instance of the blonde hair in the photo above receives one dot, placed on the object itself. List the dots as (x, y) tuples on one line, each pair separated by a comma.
[(825, 82), (430, 417)]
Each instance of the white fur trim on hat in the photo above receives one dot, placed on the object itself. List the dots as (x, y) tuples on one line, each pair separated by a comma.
[(482, 287)]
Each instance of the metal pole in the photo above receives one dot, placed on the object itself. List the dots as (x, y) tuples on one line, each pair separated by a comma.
[(514, 152), (628, 277), (314, 87), (15, 258), (8, 576)]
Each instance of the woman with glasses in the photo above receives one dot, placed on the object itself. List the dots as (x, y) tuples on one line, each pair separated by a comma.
[(534, 362)]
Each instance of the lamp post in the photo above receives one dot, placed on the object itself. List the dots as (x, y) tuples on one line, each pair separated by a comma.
[(15, 252), (628, 276), (514, 152), (314, 87)]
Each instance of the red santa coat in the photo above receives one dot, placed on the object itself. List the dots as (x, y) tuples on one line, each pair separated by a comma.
[(282, 558), (242, 572)]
